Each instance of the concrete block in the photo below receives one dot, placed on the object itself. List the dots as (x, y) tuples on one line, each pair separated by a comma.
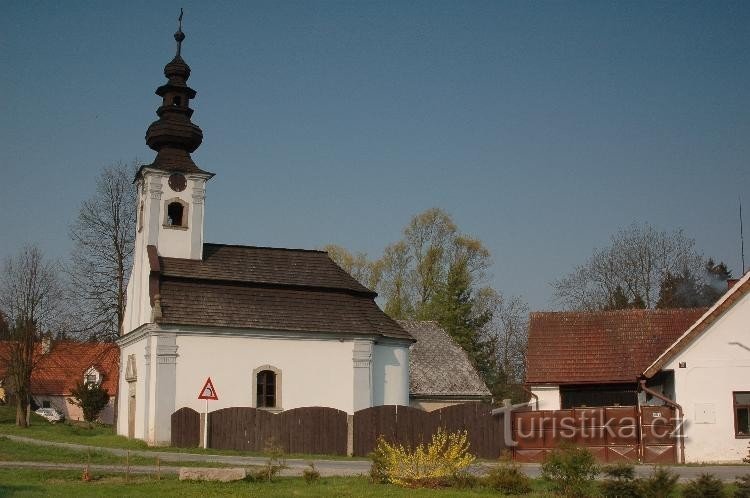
[(211, 474)]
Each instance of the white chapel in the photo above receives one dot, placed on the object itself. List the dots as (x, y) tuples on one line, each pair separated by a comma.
[(273, 328)]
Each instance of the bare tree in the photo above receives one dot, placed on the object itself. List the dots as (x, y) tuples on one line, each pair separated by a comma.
[(509, 328), (103, 237), (33, 298), (631, 269)]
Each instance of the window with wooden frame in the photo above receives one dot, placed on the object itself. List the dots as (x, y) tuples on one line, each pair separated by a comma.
[(266, 389), (741, 401)]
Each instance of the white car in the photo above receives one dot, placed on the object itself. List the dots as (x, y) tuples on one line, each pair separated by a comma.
[(50, 414)]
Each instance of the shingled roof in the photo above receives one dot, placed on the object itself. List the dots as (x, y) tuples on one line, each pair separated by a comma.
[(438, 366), (603, 346), (268, 288), (57, 371)]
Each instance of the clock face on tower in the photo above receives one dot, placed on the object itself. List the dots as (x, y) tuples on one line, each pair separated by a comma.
[(177, 182)]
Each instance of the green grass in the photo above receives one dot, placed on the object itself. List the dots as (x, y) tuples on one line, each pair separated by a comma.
[(68, 483), (104, 436), (14, 451)]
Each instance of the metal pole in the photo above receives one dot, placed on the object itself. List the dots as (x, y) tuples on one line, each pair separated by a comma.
[(205, 426)]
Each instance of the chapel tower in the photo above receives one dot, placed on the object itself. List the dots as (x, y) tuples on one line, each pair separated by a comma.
[(171, 190)]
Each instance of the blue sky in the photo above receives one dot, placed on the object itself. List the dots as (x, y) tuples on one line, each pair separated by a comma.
[(542, 127)]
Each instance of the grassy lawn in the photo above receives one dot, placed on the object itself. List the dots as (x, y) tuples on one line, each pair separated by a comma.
[(13, 451), (68, 483), (104, 436)]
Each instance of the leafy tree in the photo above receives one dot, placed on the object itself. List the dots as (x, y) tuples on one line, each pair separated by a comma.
[(357, 265), (91, 397), (685, 290), (631, 269), (34, 299), (437, 273), (453, 306), (715, 281), (394, 284), (103, 235)]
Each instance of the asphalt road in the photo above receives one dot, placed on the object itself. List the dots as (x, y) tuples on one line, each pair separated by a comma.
[(171, 460)]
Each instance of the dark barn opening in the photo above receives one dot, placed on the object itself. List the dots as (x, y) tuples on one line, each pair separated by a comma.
[(576, 396)]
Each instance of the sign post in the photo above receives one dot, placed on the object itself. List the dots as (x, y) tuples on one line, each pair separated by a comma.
[(207, 392)]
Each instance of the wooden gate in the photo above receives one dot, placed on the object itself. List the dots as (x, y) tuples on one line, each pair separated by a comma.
[(186, 428), (612, 434), (658, 434)]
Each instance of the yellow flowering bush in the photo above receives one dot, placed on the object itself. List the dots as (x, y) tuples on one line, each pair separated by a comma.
[(434, 464)]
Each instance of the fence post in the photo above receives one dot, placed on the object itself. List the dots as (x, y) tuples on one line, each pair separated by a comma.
[(349, 435)]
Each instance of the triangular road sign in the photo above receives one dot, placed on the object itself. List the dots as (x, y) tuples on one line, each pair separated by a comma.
[(208, 391)]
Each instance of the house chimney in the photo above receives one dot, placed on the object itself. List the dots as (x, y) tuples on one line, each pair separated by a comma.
[(46, 344), (731, 282)]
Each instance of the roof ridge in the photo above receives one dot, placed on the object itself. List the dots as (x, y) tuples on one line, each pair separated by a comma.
[(621, 312), (244, 246), (270, 285)]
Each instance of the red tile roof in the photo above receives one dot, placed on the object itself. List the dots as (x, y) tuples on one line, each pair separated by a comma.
[(57, 372), (601, 347)]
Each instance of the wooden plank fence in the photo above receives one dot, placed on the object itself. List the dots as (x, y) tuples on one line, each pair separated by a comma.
[(314, 430), (186, 428), (320, 430), (412, 426)]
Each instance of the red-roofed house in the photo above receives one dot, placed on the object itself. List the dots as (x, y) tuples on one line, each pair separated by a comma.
[(60, 365), (696, 361), (595, 358)]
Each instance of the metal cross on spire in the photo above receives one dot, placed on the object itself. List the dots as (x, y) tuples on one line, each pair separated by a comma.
[(179, 35)]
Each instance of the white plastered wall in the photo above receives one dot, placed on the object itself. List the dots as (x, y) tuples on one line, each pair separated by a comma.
[(716, 364), (138, 349), (549, 397), (315, 371), (153, 194), (390, 373)]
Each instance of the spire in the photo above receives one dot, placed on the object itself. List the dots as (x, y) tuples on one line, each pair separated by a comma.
[(173, 136), (179, 35)]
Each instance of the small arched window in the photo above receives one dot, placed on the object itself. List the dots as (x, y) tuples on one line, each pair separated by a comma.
[(175, 214), (177, 100), (266, 389), (266, 382)]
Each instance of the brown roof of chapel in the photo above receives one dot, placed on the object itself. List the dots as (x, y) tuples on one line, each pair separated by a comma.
[(603, 346), (266, 288), (264, 265)]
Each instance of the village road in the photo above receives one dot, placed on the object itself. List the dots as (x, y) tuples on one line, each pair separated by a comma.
[(726, 473)]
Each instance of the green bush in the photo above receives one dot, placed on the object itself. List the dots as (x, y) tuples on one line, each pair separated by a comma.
[(620, 482), (91, 398), (571, 470), (508, 478), (275, 464), (742, 485), (705, 486), (662, 483)]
